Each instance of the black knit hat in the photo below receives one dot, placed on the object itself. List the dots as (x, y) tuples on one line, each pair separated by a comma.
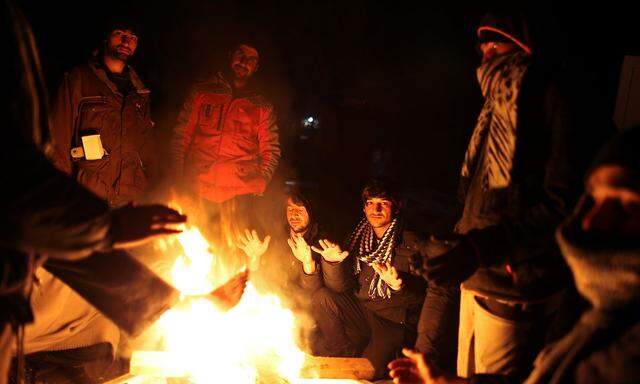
[(505, 27), (122, 22)]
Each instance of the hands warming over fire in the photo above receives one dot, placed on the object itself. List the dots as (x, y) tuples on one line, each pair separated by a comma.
[(253, 247), (330, 252), (229, 294), (302, 251), (133, 225), (389, 274), (415, 369)]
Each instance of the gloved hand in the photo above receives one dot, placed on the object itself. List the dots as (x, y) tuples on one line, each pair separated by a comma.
[(450, 262)]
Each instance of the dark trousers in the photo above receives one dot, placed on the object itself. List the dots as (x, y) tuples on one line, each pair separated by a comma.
[(350, 330)]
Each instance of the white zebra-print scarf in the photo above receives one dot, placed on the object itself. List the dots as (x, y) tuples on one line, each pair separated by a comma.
[(361, 244), (493, 143)]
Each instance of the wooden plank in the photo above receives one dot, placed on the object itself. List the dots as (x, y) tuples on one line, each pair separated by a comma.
[(161, 364), (133, 379), (337, 368)]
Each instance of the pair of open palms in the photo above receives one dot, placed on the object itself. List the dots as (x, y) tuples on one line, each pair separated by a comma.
[(254, 248)]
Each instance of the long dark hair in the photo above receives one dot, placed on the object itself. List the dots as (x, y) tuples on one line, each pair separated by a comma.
[(304, 199)]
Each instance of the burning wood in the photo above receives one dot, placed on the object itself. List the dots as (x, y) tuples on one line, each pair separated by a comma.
[(163, 364)]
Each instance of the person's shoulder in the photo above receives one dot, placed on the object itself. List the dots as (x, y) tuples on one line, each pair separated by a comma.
[(79, 71), (258, 99), (211, 83)]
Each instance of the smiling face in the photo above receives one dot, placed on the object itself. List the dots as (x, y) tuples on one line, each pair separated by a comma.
[(379, 212), (121, 44), (243, 62), (297, 217)]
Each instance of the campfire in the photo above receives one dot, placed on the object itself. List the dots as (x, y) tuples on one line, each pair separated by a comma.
[(254, 342)]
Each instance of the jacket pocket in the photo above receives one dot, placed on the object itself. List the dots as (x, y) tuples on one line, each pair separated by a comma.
[(209, 118)]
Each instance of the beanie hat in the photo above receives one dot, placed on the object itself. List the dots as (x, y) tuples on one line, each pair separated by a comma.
[(505, 28)]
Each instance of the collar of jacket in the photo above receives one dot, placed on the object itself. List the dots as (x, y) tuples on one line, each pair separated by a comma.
[(247, 91), (98, 69)]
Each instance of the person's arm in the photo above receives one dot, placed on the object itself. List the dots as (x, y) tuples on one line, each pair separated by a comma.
[(149, 147), (268, 143), (48, 213), (338, 276), (311, 282), (183, 133), (123, 289), (61, 119)]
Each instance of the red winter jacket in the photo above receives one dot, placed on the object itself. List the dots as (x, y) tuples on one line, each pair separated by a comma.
[(225, 144)]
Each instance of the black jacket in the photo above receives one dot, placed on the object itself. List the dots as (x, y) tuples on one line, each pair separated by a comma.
[(513, 228)]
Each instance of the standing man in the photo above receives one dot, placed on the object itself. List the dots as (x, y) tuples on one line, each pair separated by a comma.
[(225, 144), (371, 301), (101, 124), (517, 184)]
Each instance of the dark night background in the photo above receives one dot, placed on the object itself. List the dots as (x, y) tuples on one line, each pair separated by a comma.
[(392, 83)]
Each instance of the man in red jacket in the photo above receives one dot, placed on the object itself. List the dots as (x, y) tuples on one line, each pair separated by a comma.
[(225, 145)]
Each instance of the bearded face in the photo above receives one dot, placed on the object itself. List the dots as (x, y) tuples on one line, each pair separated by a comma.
[(297, 217), (121, 44), (243, 62)]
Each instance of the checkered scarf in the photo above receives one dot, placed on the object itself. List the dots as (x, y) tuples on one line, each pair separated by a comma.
[(362, 244)]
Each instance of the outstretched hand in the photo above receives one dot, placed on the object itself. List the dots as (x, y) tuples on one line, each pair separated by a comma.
[(253, 247), (389, 274), (302, 251), (133, 225), (330, 252), (415, 369), (229, 294)]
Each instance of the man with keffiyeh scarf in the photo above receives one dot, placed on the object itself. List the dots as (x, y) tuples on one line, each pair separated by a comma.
[(372, 301)]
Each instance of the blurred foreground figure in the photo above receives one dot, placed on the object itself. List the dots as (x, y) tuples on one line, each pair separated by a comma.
[(47, 218), (601, 244), (518, 181), (225, 146)]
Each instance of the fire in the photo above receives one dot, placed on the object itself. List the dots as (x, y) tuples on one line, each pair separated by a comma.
[(254, 339)]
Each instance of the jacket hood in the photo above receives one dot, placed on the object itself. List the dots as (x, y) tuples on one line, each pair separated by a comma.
[(606, 271), (504, 27)]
